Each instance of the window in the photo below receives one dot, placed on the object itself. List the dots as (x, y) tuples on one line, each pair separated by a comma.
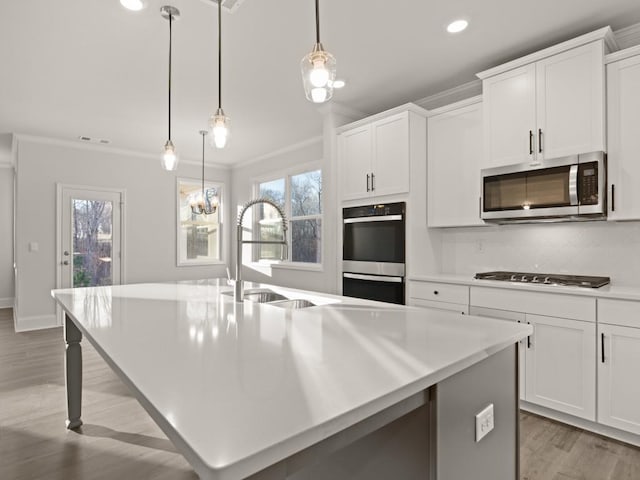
[(198, 236), (300, 196)]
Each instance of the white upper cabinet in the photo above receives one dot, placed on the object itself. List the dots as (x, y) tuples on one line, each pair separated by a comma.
[(623, 116), (374, 155), (546, 105), (453, 165), (509, 117)]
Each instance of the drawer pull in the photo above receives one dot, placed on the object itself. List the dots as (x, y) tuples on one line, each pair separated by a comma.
[(435, 292)]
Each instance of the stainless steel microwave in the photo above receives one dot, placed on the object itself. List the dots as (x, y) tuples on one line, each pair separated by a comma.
[(567, 188)]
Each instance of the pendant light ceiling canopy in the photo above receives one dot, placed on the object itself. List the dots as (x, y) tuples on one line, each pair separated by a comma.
[(207, 201), (318, 69), (219, 123), (169, 160)]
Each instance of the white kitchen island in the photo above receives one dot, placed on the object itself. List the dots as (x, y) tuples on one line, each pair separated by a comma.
[(344, 389)]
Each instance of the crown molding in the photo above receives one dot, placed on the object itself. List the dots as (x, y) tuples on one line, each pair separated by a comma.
[(628, 36), (18, 137), (281, 151), (456, 105), (407, 107), (455, 94), (605, 34), (622, 54)]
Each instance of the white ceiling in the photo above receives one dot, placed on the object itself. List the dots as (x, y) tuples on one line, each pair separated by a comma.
[(90, 67)]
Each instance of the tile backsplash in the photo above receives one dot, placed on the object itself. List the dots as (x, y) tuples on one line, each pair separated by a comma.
[(582, 248)]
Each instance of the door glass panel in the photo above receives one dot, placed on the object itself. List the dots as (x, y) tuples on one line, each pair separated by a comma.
[(92, 240), (505, 192), (548, 187)]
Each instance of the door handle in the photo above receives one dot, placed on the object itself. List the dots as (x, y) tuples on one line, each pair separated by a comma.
[(613, 197), (530, 142), (602, 346), (539, 140), (368, 182), (373, 187)]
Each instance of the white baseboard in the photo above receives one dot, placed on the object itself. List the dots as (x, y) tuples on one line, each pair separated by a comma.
[(594, 427), (6, 302), (39, 322)]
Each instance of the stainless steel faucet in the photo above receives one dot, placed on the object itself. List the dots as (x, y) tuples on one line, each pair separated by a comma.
[(238, 291)]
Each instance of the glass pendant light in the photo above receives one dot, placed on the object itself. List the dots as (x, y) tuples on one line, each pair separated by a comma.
[(206, 202), (318, 69), (169, 160), (219, 123)]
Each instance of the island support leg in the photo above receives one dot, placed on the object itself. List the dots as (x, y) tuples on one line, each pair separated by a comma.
[(73, 373)]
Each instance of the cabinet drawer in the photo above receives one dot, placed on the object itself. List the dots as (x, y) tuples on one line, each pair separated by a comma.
[(454, 307), (619, 312), (439, 292), (540, 303)]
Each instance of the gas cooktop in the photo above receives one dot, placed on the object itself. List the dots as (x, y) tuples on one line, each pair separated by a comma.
[(545, 279)]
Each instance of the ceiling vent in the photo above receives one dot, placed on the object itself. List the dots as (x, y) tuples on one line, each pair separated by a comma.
[(229, 5), (100, 141)]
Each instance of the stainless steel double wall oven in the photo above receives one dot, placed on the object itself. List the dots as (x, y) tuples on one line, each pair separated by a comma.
[(373, 253)]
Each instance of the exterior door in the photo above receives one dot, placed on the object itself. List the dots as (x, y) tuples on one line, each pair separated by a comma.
[(89, 237)]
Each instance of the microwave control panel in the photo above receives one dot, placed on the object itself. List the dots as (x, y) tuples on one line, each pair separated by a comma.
[(588, 183)]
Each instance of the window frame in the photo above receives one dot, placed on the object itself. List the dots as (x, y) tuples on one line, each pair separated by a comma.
[(180, 262), (287, 174)]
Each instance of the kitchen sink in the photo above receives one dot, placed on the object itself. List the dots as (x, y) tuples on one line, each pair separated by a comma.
[(260, 295), (293, 303)]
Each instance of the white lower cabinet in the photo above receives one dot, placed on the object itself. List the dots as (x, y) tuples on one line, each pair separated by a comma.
[(619, 364), (560, 361), (442, 296)]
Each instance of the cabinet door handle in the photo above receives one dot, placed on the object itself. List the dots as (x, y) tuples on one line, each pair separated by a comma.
[(435, 292), (529, 338), (530, 142), (373, 186), (539, 140), (602, 346), (613, 197), (368, 183)]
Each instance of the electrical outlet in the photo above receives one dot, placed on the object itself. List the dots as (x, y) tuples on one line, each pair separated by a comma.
[(484, 422)]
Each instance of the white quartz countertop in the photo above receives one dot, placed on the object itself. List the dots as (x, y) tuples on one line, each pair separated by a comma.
[(608, 291), (243, 386)]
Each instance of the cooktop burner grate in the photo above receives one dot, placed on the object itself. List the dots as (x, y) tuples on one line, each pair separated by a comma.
[(545, 279)]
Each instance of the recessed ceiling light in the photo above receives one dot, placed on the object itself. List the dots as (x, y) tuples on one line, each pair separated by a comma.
[(338, 83), (135, 5), (457, 26)]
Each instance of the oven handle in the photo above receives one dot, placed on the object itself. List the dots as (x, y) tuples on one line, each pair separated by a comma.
[(573, 185), (377, 218), (375, 278)]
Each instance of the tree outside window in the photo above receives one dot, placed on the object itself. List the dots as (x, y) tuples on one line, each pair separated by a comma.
[(300, 196)]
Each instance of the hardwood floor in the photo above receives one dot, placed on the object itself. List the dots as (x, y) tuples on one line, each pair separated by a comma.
[(120, 441)]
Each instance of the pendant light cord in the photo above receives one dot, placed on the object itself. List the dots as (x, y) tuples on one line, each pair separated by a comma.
[(170, 36), (317, 22), (219, 54)]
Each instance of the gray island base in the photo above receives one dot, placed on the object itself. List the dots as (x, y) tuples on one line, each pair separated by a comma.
[(419, 429)]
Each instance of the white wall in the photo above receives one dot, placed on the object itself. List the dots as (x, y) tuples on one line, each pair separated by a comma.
[(6, 235), (150, 216), (591, 248)]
